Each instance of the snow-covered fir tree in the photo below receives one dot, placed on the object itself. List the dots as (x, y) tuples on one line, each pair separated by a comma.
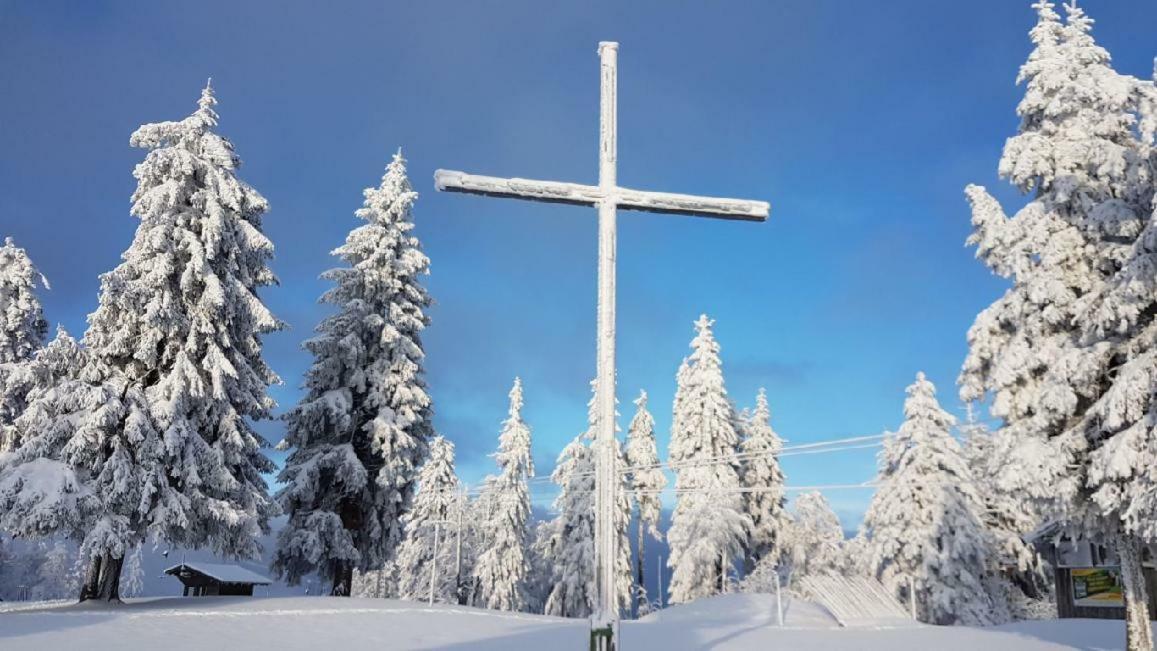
[(177, 334), (709, 526), (502, 567), (22, 333), (427, 527), (360, 432), (475, 535), (55, 578), (923, 524), (569, 539), (760, 473), (815, 536), (22, 325), (1007, 515), (647, 480), (134, 573), (1064, 354), (89, 467)]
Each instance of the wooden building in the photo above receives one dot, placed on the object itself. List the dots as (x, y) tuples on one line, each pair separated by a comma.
[(1086, 575), (209, 579)]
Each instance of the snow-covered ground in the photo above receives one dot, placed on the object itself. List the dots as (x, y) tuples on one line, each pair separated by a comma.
[(737, 622)]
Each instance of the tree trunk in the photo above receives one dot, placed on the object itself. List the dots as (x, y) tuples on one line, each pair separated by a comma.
[(719, 576), (91, 585), (343, 577), (1138, 634), (110, 578)]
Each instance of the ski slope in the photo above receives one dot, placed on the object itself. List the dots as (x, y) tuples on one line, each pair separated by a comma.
[(730, 622)]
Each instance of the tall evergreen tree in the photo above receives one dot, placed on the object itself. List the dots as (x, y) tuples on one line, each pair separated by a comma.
[(709, 527), (1007, 515), (22, 333), (569, 543), (360, 432), (923, 525), (89, 466), (1064, 353), (181, 321), (761, 474), (501, 569), (646, 479), (428, 535)]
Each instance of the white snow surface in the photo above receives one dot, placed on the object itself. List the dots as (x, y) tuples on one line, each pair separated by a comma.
[(738, 622)]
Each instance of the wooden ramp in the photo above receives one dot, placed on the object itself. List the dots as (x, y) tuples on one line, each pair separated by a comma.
[(856, 601)]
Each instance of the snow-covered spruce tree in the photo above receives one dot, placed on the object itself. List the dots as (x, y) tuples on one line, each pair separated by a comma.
[(923, 524), (760, 472), (475, 535), (502, 567), (89, 467), (1007, 515), (360, 432), (569, 542), (708, 527), (428, 518), (181, 321), (22, 333), (1064, 353), (646, 479), (55, 578), (22, 325), (816, 538)]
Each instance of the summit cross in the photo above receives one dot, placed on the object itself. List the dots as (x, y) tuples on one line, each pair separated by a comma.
[(607, 197)]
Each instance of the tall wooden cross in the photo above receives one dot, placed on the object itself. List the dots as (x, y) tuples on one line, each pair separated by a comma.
[(608, 197)]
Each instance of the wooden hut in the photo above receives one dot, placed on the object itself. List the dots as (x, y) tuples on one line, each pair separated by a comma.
[(1087, 576), (209, 579)]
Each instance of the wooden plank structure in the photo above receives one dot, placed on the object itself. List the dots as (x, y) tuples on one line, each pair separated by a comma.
[(210, 579), (1066, 556)]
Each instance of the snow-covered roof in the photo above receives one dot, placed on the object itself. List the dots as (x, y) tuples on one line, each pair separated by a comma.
[(223, 573)]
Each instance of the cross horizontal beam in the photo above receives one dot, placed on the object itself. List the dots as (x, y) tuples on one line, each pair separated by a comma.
[(591, 195)]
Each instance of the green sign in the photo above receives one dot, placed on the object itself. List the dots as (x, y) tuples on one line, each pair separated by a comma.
[(1098, 587)]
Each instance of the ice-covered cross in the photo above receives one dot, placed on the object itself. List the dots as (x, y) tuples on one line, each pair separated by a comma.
[(607, 196)]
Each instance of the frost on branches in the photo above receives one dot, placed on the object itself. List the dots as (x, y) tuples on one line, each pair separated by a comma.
[(1066, 354), (922, 525), (89, 467), (502, 567), (647, 480), (181, 322), (429, 534), (568, 543), (709, 526), (360, 432), (1007, 515), (816, 538), (760, 471), (22, 333)]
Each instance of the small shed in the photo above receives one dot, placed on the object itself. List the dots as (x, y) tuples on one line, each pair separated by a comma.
[(1087, 576), (210, 579)]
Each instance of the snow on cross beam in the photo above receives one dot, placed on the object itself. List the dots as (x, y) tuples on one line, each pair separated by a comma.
[(589, 195)]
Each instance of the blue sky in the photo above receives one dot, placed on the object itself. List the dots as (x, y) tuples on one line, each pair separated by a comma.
[(860, 122)]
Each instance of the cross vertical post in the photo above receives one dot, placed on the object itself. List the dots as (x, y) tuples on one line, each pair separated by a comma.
[(605, 539)]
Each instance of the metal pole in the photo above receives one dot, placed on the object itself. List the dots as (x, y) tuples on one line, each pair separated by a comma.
[(434, 562), (778, 600), (606, 611), (662, 601), (458, 545)]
